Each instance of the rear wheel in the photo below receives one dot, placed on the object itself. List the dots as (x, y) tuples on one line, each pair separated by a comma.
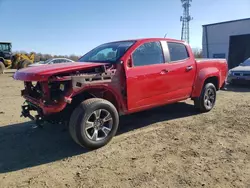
[(206, 101), (2, 67), (93, 123)]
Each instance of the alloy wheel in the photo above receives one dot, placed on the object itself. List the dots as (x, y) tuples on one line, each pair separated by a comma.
[(98, 125)]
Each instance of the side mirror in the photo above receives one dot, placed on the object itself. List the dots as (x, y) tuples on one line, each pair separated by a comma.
[(241, 64)]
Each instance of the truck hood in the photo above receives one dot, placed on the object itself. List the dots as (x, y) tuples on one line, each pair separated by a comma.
[(42, 73)]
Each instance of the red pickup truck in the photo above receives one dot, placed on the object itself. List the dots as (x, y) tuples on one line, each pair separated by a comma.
[(115, 79)]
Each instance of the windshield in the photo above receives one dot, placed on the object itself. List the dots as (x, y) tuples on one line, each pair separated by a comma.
[(107, 53), (5, 47), (246, 63)]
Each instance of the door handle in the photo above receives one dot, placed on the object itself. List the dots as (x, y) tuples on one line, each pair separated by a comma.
[(188, 68), (164, 71)]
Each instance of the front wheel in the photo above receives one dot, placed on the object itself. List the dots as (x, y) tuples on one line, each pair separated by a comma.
[(93, 123), (2, 67), (206, 101)]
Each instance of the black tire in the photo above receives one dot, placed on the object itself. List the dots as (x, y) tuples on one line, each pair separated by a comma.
[(25, 63), (2, 67), (201, 103), (19, 65), (79, 117)]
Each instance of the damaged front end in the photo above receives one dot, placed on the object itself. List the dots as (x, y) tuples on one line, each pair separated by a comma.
[(52, 99), (44, 98), (27, 107)]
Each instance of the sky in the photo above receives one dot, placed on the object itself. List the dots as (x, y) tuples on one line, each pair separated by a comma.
[(68, 27)]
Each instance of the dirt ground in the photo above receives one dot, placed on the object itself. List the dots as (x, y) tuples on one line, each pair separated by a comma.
[(170, 146)]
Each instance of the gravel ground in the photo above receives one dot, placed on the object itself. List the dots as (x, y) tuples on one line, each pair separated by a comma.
[(170, 146)]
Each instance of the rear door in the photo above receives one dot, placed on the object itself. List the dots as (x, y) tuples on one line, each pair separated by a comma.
[(181, 71)]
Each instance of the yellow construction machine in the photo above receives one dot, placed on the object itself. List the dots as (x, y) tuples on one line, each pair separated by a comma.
[(22, 60), (14, 61)]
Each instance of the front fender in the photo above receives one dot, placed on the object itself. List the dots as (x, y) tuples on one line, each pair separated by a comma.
[(201, 77), (119, 100)]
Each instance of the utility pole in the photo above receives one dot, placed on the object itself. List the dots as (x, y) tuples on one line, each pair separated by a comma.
[(185, 19)]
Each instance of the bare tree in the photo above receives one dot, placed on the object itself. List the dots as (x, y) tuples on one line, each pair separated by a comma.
[(44, 57), (197, 52)]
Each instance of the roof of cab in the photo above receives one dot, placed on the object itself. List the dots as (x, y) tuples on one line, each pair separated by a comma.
[(150, 39)]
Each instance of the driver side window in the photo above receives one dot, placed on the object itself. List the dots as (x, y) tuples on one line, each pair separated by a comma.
[(148, 54)]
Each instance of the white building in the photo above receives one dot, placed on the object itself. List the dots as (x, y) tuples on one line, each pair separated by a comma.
[(230, 40)]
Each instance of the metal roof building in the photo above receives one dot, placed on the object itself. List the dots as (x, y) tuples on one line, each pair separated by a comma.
[(230, 40)]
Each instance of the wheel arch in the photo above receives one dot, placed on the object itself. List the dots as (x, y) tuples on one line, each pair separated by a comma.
[(208, 75), (99, 92), (214, 80)]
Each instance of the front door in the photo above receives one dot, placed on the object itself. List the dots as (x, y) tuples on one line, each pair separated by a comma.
[(146, 79)]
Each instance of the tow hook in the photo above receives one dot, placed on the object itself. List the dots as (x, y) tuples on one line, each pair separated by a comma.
[(26, 113)]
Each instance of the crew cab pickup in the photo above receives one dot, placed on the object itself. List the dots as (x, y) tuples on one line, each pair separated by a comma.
[(115, 79)]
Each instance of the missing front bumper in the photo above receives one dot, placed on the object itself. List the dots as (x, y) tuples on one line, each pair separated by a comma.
[(27, 108)]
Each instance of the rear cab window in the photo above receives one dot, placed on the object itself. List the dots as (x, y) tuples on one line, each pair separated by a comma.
[(148, 54), (177, 52)]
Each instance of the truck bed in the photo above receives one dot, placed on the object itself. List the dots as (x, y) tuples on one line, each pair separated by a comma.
[(210, 59)]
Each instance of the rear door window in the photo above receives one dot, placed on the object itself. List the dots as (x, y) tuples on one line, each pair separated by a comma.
[(177, 51), (148, 54)]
